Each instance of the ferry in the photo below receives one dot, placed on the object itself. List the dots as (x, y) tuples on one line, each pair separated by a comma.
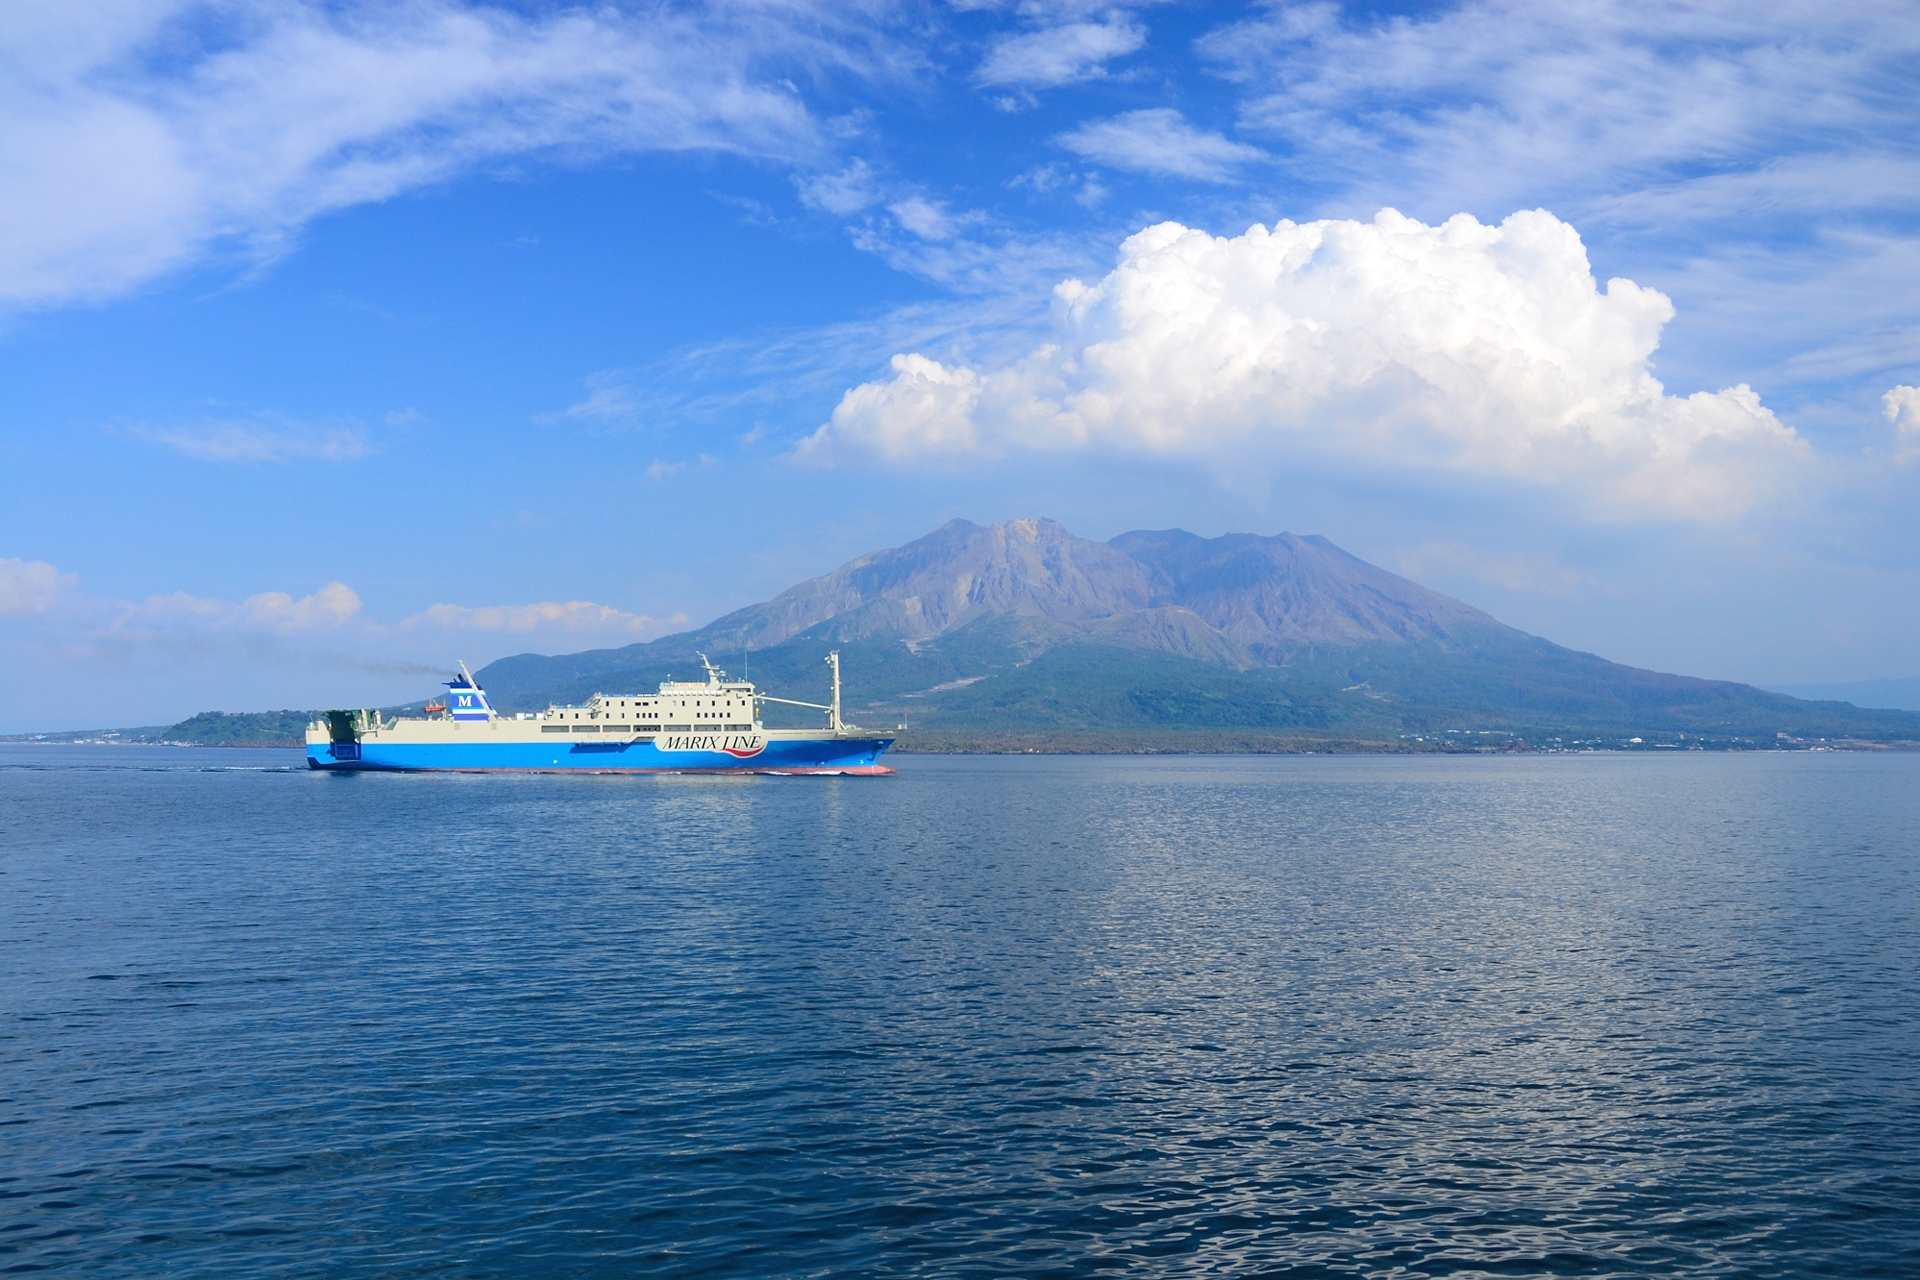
[(710, 726)]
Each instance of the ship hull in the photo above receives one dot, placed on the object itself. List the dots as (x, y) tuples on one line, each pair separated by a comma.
[(723, 754)]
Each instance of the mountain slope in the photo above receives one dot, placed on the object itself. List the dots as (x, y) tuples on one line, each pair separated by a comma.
[(958, 572), (1276, 595), (1026, 628)]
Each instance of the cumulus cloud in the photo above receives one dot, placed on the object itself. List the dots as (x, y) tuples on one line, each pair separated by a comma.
[(1762, 154), (574, 615), (330, 606), (1159, 141), (29, 587), (1464, 348), (251, 442), (1060, 55), (144, 143)]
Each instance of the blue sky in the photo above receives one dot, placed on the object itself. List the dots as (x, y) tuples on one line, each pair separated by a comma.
[(341, 341)]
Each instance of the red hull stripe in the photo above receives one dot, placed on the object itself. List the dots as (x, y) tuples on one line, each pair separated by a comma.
[(771, 771)]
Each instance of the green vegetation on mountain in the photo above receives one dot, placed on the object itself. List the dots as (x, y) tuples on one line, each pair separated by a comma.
[(208, 729), (241, 729)]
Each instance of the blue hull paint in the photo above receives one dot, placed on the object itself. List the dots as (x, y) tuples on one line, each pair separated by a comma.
[(824, 755)]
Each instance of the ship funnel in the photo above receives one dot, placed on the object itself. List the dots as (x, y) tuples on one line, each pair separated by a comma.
[(466, 700)]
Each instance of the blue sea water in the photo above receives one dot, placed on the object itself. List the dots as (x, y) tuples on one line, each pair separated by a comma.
[(1027, 1016)]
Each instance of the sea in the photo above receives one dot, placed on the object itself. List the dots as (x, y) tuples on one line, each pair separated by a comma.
[(1035, 1016)]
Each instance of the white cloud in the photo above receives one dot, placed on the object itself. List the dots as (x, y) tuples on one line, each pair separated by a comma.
[(185, 652), (248, 442), (931, 220), (1502, 98), (1159, 141), (1761, 158), (575, 615), (1462, 348), (278, 612), (845, 191), (925, 218), (658, 470), (29, 587), (330, 606), (1902, 405), (609, 399), (144, 143), (1060, 55)]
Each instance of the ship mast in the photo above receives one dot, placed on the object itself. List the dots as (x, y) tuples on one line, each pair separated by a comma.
[(834, 723)]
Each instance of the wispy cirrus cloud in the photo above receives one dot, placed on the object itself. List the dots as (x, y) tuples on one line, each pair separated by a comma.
[(573, 616), (1159, 141), (842, 191), (1493, 101), (1061, 54), (609, 401), (147, 144), (270, 441)]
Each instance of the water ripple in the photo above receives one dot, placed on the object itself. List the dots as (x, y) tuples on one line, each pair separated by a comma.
[(1037, 1017)]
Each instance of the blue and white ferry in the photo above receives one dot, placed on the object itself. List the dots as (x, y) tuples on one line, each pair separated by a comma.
[(710, 726)]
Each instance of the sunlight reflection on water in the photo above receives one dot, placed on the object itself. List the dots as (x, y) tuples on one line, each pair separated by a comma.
[(1035, 1016)]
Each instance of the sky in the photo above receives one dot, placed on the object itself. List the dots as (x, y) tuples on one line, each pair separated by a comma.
[(340, 342)]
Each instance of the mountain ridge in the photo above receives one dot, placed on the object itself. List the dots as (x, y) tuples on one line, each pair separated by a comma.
[(1025, 627)]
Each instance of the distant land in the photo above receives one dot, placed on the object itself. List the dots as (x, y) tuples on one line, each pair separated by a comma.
[(1900, 695), (1023, 636), (208, 729)]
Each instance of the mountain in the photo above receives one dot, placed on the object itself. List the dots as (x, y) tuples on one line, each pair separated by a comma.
[(957, 573), (1024, 632)]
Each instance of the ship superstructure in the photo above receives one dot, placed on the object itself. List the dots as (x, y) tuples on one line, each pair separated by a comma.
[(712, 725)]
